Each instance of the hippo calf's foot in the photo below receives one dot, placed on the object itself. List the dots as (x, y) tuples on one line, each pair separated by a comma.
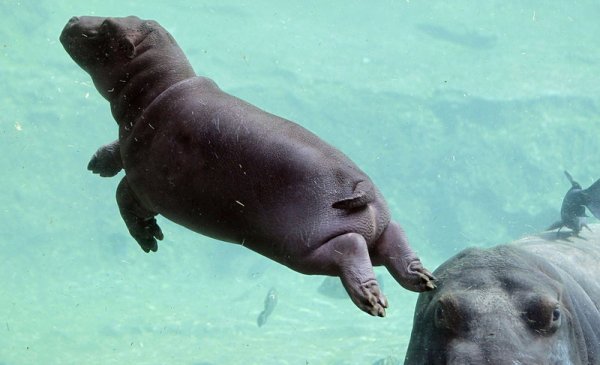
[(146, 232), (393, 251), (419, 279), (106, 162), (347, 256), (375, 300), (356, 272)]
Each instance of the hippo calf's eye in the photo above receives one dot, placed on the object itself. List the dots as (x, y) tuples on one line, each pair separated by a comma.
[(89, 34)]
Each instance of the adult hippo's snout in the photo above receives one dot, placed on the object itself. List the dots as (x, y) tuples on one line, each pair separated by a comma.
[(532, 302), (482, 325), (500, 341), (469, 353)]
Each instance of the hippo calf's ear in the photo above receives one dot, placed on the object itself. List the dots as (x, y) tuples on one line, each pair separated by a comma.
[(542, 313), (127, 46), (123, 35)]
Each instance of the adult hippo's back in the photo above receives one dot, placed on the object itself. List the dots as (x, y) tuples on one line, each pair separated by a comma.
[(532, 302), (224, 168)]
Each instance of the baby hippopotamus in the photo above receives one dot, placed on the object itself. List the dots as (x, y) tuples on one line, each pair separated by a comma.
[(229, 170), (532, 302)]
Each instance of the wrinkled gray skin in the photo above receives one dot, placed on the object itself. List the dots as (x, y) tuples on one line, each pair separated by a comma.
[(226, 169), (532, 302)]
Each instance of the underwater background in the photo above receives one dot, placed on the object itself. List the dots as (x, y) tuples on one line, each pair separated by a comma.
[(465, 115)]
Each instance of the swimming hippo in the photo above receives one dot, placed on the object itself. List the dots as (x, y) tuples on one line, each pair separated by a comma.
[(229, 170), (532, 302)]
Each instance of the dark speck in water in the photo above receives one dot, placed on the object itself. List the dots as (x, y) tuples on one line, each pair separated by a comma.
[(469, 39)]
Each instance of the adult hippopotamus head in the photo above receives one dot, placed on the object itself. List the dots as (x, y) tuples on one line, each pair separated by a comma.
[(533, 302)]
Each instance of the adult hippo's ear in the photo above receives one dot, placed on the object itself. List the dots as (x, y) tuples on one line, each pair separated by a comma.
[(449, 315), (542, 313)]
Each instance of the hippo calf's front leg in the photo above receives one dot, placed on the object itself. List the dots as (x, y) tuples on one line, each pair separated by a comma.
[(107, 160), (140, 221)]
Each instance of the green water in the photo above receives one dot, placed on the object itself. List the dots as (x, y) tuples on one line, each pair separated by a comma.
[(464, 113)]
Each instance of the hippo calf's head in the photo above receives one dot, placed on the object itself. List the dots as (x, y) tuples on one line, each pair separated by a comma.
[(93, 41), (106, 47), (492, 307), (130, 60), (97, 43)]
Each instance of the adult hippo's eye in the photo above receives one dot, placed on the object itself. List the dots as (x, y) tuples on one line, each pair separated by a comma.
[(555, 314), (542, 314)]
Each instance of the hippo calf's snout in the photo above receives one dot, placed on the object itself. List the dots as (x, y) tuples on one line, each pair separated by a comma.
[(65, 33)]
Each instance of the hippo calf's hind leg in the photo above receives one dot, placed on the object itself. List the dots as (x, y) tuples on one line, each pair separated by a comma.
[(139, 220), (392, 251), (348, 257)]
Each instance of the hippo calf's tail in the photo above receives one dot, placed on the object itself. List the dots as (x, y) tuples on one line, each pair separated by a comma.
[(364, 193)]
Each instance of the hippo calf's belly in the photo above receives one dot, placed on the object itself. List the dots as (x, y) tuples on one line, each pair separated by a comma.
[(246, 175), (532, 302)]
